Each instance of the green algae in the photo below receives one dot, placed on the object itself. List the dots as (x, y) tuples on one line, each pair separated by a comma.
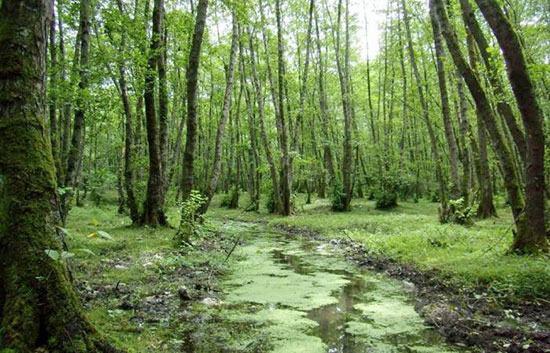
[(304, 297)]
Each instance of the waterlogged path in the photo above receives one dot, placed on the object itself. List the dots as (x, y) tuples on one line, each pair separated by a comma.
[(300, 295)]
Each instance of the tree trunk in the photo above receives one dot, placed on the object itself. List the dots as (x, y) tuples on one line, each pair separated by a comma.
[(533, 237), (483, 105), (129, 172), (504, 109), (445, 109), (77, 142), (286, 178), (278, 205), (323, 106), (153, 213), (346, 107), (443, 217), (163, 108), (54, 125), (213, 184), (486, 206), (192, 78), (39, 310)]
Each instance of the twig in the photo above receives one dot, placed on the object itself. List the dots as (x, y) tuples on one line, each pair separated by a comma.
[(233, 248), (503, 235)]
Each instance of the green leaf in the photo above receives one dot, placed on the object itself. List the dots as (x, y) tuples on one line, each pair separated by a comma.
[(53, 254), (105, 235), (63, 230), (65, 255), (87, 251)]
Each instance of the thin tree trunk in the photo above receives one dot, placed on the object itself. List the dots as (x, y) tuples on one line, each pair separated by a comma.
[(443, 217), (278, 205), (445, 108), (129, 172), (77, 142), (213, 184), (346, 107), (286, 178), (323, 106)]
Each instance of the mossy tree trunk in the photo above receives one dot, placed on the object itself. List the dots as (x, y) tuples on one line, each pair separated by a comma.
[(38, 307), (534, 236), (153, 212), (74, 158), (192, 76), (500, 144)]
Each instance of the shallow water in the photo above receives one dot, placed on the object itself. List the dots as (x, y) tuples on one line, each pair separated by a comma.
[(302, 296)]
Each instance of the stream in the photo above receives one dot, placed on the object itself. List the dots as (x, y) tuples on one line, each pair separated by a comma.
[(300, 295)]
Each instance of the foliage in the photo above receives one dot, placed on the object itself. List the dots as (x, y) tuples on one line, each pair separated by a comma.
[(337, 195), (191, 219), (462, 212), (388, 187)]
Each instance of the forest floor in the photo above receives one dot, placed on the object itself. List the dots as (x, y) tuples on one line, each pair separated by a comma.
[(150, 296)]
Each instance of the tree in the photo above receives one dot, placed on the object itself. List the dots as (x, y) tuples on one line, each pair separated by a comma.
[(74, 158), (286, 173), (153, 212), (445, 108), (192, 78), (533, 237), (500, 144), (212, 185), (443, 216), (39, 309)]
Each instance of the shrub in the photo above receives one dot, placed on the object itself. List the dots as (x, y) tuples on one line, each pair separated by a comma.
[(191, 218), (386, 199)]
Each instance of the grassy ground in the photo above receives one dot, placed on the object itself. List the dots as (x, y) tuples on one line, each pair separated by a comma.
[(130, 278), (130, 283), (467, 256)]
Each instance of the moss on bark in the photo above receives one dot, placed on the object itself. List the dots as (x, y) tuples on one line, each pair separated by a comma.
[(38, 306)]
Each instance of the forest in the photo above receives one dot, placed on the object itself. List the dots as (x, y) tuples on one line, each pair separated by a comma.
[(274, 176)]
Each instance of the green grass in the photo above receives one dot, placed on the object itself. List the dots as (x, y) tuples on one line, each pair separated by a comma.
[(467, 256)]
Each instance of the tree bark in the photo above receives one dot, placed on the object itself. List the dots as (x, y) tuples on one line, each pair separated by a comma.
[(192, 78), (153, 212), (54, 121), (533, 237), (39, 310)]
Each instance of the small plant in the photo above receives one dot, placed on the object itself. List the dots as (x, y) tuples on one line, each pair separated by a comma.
[(385, 199), (461, 212), (191, 218), (387, 191)]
